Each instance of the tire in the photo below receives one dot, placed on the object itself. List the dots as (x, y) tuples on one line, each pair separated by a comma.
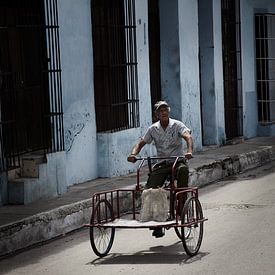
[(178, 232), (101, 237), (178, 229), (192, 212), (187, 232)]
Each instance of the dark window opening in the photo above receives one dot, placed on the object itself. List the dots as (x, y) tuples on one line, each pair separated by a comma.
[(265, 66), (232, 71), (115, 65), (154, 52)]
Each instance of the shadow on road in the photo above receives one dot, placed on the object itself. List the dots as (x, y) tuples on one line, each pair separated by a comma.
[(172, 254)]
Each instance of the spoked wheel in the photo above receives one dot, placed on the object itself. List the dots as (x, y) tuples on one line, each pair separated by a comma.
[(101, 237), (178, 229), (192, 212), (187, 232)]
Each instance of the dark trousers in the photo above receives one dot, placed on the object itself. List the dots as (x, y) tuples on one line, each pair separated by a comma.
[(159, 174)]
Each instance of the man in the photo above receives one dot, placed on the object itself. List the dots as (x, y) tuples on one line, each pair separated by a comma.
[(167, 134)]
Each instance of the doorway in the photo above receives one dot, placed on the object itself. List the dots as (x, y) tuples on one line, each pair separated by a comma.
[(154, 51), (232, 73)]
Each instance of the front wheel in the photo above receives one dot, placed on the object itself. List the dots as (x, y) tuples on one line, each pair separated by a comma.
[(101, 237), (191, 216), (186, 232), (178, 229)]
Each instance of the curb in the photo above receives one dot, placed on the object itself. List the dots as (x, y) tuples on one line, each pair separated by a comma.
[(229, 166), (57, 222), (43, 226)]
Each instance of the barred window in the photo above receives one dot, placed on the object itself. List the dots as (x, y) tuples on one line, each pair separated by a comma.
[(265, 60), (115, 65), (31, 112)]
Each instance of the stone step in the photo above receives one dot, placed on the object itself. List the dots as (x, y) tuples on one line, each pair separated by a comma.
[(23, 182), (30, 165)]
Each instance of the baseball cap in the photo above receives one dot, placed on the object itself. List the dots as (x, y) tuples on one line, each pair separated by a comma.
[(160, 104)]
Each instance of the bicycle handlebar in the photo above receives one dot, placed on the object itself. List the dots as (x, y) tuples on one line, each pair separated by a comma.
[(171, 157)]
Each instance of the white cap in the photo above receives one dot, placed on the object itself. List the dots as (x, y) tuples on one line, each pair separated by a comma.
[(160, 104)]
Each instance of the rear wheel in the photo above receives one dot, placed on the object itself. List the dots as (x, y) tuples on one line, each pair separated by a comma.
[(102, 237), (191, 214)]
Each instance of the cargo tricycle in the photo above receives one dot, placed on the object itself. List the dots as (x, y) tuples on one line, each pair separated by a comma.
[(121, 208)]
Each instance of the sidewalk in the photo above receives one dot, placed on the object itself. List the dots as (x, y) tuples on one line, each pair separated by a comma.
[(25, 225)]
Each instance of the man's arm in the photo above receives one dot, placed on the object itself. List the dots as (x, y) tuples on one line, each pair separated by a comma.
[(189, 141), (136, 149)]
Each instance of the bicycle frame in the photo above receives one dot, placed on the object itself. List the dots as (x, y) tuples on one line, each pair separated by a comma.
[(117, 200)]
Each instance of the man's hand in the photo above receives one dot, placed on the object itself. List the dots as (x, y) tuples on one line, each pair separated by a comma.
[(136, 149), (132, 158), (188, 156)]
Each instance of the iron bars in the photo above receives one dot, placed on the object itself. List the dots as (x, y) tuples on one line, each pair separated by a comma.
[(265, 64), (30, 80), (115, 65)]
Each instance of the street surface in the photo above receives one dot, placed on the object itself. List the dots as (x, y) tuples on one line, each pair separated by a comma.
[(239, 238)]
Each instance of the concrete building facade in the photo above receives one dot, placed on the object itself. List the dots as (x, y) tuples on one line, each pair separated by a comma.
[(191, 70)]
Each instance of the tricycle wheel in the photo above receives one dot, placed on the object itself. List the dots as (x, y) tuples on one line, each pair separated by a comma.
[(178, 229), (102, 237), (186, 232), (191, 214)]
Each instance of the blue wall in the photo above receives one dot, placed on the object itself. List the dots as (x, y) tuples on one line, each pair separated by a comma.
[(78, 92)]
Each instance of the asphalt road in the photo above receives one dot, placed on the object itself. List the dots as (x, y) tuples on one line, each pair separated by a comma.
[(239, 238)]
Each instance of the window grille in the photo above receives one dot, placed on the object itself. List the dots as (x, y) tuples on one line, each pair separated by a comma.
[(53, 76), (265, 60), (31, 116), (115, 65)]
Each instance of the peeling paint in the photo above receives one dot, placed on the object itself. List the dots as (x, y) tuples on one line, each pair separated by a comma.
[(76, 122)]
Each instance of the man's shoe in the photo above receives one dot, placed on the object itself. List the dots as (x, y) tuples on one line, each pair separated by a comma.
[(158, 233)]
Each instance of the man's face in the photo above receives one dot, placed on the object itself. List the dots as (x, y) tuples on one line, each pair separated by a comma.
[(163, 113)]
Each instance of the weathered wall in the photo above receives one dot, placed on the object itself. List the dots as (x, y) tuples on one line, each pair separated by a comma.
[(211, 72), (208, 95), (170, 56), (180, 63), (218, 71), (78, 92), (189, 68), (88, 154)]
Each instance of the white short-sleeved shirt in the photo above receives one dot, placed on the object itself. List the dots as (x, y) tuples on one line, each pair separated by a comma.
[(168, 142)]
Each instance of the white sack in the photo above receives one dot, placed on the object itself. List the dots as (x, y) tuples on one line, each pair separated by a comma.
[(154, 205)]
